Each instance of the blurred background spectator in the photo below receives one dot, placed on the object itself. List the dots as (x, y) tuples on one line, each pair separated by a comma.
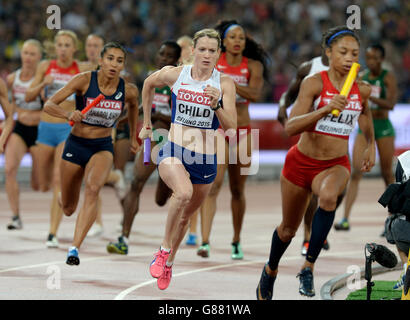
[(289, 30)]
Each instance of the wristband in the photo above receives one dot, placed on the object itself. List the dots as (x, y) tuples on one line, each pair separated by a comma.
[(219, 105)]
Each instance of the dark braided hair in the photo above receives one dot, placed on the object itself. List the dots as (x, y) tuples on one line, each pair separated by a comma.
[(336, 33), (252, 49)]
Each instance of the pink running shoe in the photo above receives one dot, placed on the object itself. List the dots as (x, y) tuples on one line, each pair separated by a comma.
[(165, 279), (157, 265)]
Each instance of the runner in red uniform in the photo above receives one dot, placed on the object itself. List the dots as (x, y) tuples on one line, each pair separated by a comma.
[(319, 164)]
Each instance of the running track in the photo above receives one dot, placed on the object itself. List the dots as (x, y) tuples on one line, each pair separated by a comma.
[(29, 270)]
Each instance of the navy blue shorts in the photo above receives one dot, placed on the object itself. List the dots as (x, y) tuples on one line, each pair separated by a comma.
[(79, 150), (201, 167)]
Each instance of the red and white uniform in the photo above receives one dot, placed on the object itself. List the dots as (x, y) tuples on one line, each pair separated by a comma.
[(338, 126), (61, 77), (240, 74), (301, 169)]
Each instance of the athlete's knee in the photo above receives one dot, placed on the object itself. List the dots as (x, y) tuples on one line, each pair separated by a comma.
[(237, 192), (183, 196), (92, 189), (10, 172), (161, 198), (137, 184), (68, 208), (68, 211), (328, 200), (286, 233)]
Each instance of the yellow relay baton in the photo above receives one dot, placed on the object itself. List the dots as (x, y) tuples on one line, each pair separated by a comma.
[(351, 77)]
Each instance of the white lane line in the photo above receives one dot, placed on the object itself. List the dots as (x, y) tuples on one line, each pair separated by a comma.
[(124, 293), (63, 262)]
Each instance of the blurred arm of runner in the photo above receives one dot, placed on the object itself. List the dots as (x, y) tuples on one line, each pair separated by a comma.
[(290, 95), (366, 125), (8, 113), (75, 85), (254, 88), (131, 98), (39, 82), (161, 78)]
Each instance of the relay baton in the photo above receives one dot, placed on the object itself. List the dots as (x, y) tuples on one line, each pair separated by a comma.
[(351, 77), (147, 150), (91, 105)]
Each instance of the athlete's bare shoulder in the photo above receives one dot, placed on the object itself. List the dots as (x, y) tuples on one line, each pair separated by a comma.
[(131, 91), (10, 79), (43, 65), (252, 63), (169, 74), (313, 84)]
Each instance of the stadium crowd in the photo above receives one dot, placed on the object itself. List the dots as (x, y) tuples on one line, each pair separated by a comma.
[(290, 30)]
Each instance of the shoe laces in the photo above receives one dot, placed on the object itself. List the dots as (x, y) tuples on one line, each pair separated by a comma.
[(162, 256), (306, 277), (167, 271)]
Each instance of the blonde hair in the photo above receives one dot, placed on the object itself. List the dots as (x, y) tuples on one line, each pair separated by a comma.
[(49, 46), (36, 43), (210, 33), (69, 33)]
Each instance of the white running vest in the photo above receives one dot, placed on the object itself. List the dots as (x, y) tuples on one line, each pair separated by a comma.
[(19, 92), (190, 106), (317, 66)]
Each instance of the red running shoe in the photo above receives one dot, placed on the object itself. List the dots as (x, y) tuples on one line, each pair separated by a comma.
[(165, 279), (157, 265)]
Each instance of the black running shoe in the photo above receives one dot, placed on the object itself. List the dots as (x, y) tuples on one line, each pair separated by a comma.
[(264, 291), (72, 257), (15, 224), (306, 287)]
